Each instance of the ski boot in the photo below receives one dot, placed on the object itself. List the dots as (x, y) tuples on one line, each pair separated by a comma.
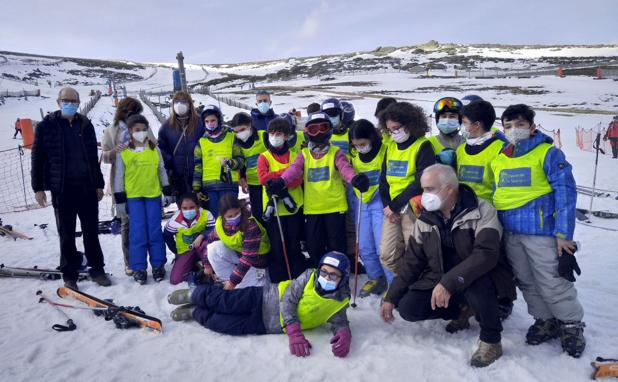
[(158, 274), (180, 297), (462, 321), (486, 354), (183, 312), (572, 337), (71, 284), (140, 277), (374, 286), (542, 331)]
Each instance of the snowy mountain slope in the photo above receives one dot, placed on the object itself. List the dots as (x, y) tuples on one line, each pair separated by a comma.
[(30, 350)]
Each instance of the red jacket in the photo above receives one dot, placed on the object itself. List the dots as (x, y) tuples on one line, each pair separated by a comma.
[(612, 130)]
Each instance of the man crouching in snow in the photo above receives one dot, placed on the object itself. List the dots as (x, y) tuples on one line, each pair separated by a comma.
[(452, 259), (312, 299)]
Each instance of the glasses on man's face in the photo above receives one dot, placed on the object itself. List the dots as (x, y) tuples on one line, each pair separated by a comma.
[(65, 100), (317, 128), (333, 276)]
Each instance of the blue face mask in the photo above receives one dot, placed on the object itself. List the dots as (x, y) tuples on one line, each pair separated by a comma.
[(334, 121), (327, 285), (68, 109), (263, 107), (448, 125), (235, 221), (189, 214)]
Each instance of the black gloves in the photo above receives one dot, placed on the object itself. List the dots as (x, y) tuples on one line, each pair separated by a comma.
[(360, 182), (567, 266), (275, 186)]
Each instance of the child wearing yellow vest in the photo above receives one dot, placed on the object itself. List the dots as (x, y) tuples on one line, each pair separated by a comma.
[(217, 160), (238, 248), (535, 195), (271, 164), (250, 142), (481, 148), (185, 235), (139, 179), (316, 297), (368, 152), (407, 155), (324, 169), (447, 112)]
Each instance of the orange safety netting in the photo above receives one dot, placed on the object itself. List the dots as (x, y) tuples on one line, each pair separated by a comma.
[(584, 138), (555, 134)]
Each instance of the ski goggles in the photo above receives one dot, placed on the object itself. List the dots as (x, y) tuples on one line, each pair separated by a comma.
[(330, 275), (447, 104), (317, 128)]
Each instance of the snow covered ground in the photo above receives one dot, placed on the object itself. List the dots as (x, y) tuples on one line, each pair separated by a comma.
[(31, 350)]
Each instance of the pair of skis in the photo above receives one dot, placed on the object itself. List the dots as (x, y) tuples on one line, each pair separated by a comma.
[(37, 273), (123, 317)]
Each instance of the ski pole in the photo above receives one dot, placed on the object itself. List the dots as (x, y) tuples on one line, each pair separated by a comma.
[(70, 325), (596, 145), (358, 222), (285, 251)]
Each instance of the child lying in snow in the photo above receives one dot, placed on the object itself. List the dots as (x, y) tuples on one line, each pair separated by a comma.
[(314, 298)]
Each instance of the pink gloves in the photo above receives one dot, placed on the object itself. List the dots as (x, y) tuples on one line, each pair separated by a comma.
[(299, 346), (341, 342)]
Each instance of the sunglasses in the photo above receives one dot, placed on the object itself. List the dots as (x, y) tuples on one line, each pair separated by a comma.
[(317, 128), (73, 101), (448, 103), (330, 275)]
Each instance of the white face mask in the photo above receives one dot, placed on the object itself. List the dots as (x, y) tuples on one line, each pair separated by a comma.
[(276, 140), (181, 108), (140, 136), (431, 201), (517, 134), (400, 135), (363, 149), (244, 135)]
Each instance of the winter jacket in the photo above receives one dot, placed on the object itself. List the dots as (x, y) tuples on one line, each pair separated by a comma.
[(180, 165), (119, 178), (111, 138), (49, 157), (177, 221), (612, 131), (260, 121), (475, 233), (424, 159), (288, 306), (552, 214)]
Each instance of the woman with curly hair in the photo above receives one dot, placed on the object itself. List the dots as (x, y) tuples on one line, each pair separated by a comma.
[(407, 155)]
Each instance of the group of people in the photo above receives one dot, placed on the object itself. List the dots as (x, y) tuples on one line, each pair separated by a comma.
[(444, 225)]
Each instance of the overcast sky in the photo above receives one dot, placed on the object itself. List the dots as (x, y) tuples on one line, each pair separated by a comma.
[(221, 31)]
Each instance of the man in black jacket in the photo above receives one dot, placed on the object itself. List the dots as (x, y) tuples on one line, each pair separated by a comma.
[(452, 258), (64, 161)]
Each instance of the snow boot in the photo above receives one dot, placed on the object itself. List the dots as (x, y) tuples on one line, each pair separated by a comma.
[(158, 274), (183, 312), (542, 331), (180, 297), (462, 322), (72, 284), (128, 271), (572, 337), (102, 279), (140, 277), (374, 286), (486, 354)]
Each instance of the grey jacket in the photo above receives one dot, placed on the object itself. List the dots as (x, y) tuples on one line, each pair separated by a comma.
[(288, 306)]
